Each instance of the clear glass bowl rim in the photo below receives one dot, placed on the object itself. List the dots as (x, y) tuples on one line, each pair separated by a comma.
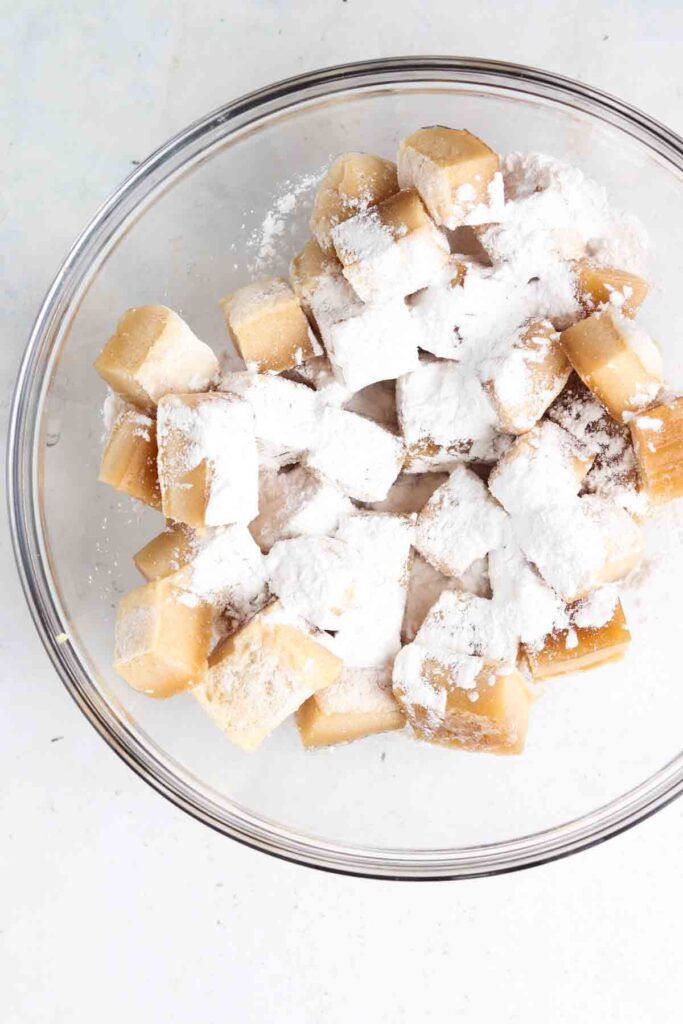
[(23, 476)]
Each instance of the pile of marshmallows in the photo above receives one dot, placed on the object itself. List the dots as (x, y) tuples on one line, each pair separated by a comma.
[(409, 504)]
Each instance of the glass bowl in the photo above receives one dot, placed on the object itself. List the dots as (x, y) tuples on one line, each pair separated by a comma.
[(201, 216)]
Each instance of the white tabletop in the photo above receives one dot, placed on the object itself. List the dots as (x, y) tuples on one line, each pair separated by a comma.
[(113, 904)]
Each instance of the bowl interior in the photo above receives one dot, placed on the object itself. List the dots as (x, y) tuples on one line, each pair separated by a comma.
[(236, 210)]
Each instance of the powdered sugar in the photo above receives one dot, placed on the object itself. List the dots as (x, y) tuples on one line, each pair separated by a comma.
[(269, 242)]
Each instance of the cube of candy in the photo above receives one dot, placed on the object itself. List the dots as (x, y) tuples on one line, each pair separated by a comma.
[(370, 635), (545, 466), (357, 455), (426, 584), (359, 704), (459, 524), (581, 647), (169, 551), (617, 360), (456, 174), (162, 641), (286, 414), (459, 701), (622, 537), (532, 608), (658, 443), (129, 459), (391, 250), (261, 674), (364, 343), (296, 503), (316, 578), (354, 182), (208, 463), (436, 310), (600, 286), (268, 326), (524, 374), (308, 268), (462, 623), (445, 416), (154, 353)]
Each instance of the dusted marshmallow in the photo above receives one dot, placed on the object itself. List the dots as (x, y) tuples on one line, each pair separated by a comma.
[(658, 443), (162, 642), (364, 344), (462, 623), (524, 374), (129, 459), (260, 675), (318, 373), (169, 551), (354, 182), (208, 464), (445, 416), (437, 310), (617, 360), (268, 326), (357, 455), (316, 578), (370, 635), (286, 414), (459, 701), (154, 353), (606, 286), (426, 584), (622, 537), (392, 250), (359, 704), (581, 647), (457, 175), (308, 268), (296, 503), (459, 524), (532, 608)]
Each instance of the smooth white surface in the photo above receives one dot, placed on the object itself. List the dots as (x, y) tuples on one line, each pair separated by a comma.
[(114, 905)]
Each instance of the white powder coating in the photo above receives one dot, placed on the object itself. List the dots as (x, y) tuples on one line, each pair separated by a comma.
[(318, 374), (442, 406), (622, 537), (426, 584), (269, 240), (364, 343), (539, 470), (435, 310), (228, 571), (361, 458), (296, 503), (597, 609), (459, 524), (640, 343), (249, 301), (370, 636), (415, 690), (382, 264), (316, 578), (135, 631), (531, 607), (219, 430), (285, 413), (462, 623), (112, 407), (358, 691), (410, 492)]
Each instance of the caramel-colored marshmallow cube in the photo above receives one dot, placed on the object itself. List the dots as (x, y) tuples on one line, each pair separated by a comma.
[(452, 169), (268, 326), (459, 701), (528, 377), (658, 443), (581, 648), (307, 270), (208, 462), (129, 460), (162, 640), (617, 360), (166, 553), (154, 353), (359, 704), (262, 674), (354, 182), (600, 286)]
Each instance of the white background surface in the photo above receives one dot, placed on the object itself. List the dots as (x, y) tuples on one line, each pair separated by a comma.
[(113, 904)]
